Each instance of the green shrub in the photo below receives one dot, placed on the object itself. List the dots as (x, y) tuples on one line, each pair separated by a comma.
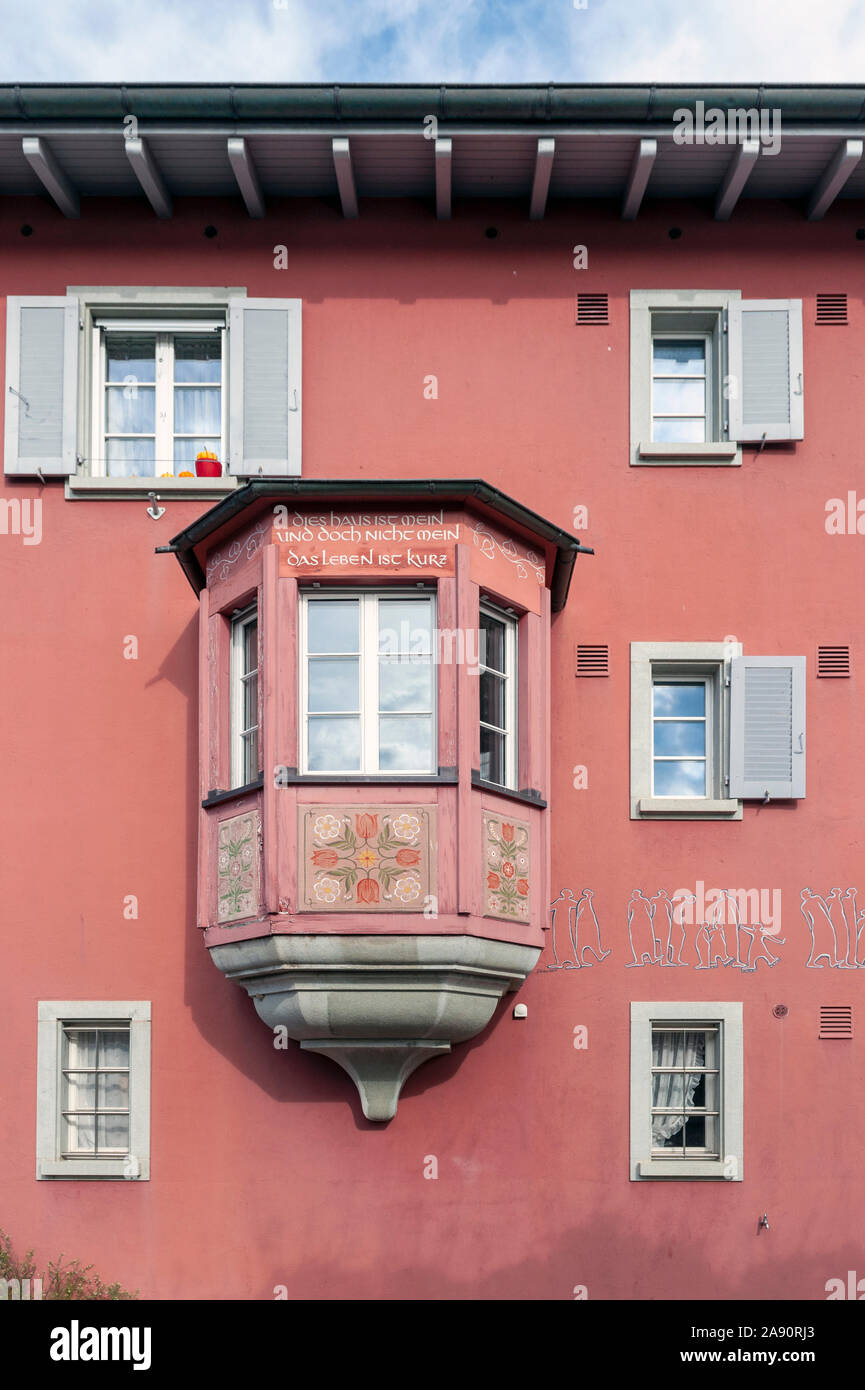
[(62, 1282)]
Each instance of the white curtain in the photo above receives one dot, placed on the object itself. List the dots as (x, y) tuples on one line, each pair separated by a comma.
[(674, 1049)]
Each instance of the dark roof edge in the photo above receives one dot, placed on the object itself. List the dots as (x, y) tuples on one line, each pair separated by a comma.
[(532, 102), (310, 489)]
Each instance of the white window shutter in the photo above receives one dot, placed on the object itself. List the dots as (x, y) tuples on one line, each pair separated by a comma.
[(765, 354), (767, 726), (264, 387), (40, 401)]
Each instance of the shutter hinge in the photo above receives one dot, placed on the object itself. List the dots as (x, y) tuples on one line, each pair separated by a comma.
[(727, 682), (724, 321), (726, 781)]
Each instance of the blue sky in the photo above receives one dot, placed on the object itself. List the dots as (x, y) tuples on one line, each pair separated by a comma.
[(432, 40)]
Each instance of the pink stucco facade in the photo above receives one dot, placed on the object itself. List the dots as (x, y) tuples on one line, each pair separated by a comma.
[(263, 1171)]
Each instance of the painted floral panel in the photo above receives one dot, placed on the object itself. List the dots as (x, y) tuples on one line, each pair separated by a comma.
[(507, 868), (237, 859), (367, 858)]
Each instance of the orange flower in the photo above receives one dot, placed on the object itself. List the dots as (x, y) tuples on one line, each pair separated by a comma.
[(507, 831), (493, 880), (407, 856), (508, 869), (324, 858), (367, 891), (523, 886), (367, 825)]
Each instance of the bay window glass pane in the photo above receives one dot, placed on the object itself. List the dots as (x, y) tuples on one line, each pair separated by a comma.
[(250, 702), (130, 409), (198, 359), (492, 642), (250, 646), (251, 767), (405, 627), (405, 743), (130, 359), (492, 767), (679, 699), (492, 693), (332, 626), (112, 1132), (680, 778), (334, 684), (674, 736), (130, 458), (334, 743), (404, 684)]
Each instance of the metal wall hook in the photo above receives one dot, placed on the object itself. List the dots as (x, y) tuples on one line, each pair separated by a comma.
[(767, 798), (764, 1222), (154, 509)]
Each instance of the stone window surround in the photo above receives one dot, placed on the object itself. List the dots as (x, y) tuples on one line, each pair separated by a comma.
[(52, 1016), (729, 1016), (706, 655), (643, 452), (139, 299)]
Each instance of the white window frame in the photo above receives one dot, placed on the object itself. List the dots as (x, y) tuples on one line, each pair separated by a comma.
[(511, 729), (727, 1017), (368, 676), (53, 1017), (666, 313), (165, 330), (681, 676), (709, 376), (686, 661), (239, 622), (136, 303)]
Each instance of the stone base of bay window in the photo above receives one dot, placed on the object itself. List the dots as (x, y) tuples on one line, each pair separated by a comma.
[(379, 1006)]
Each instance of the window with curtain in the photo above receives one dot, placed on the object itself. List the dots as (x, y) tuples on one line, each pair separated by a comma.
[(160, 399), (685, 1091)]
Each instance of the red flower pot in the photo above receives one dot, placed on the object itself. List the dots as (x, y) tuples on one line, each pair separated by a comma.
[(208, 468)]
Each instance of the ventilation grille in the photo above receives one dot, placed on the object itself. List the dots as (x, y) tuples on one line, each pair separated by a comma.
[(836, 1021), (831, 308), (593, 660), (833, 661), (592, 308)]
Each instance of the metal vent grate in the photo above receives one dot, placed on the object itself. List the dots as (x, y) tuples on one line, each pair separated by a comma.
[(833, 661), (592, 660), (836, 1021), (592, 308), (831, 308)]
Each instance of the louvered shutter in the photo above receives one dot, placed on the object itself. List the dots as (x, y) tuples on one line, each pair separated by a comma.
[(765, 351), (264, 387), (41, 384), (767, 726)]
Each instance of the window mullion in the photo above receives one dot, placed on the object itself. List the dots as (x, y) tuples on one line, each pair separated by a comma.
[(164, 442)]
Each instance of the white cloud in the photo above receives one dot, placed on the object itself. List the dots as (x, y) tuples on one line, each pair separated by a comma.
[(434, 41)]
